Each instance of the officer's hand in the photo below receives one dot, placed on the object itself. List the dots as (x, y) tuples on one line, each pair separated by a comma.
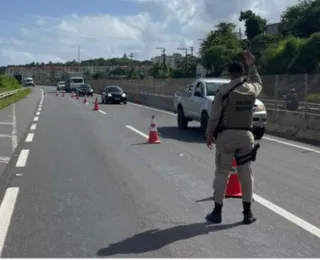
[(248, 57), (210, 141)]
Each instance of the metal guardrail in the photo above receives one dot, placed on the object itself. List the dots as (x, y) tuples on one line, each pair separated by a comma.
[(8, 93)]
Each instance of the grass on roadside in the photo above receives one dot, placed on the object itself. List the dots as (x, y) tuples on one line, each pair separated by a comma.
[(4, 102)]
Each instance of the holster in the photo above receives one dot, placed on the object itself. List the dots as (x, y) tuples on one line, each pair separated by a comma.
[(245, 158)]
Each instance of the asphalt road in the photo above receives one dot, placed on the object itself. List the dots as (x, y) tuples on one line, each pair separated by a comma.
[(86, 185)]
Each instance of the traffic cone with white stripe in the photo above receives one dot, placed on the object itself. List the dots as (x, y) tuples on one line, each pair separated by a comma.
[(153, 133), (96, 105), (233, 189)]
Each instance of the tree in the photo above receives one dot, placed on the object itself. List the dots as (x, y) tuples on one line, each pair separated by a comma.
[(302, 20), (254, 24), (220, 46)]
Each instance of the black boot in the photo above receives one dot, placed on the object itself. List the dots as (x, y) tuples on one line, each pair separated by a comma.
[(215, 215), (248, 217)]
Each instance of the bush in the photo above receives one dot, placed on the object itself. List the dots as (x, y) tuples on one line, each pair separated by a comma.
[(313, 98), (8, 83)]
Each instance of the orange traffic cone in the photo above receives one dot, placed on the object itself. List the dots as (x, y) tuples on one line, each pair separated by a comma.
[(96, 105), (153, 133), (233, 189), (85, 100)]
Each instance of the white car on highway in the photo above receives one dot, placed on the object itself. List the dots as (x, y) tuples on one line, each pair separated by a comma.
[(195, 105)]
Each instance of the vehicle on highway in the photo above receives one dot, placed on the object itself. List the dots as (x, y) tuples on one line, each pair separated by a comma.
[(113, 94), (61, 85), (84, 90), (195, 105), (73, 80), (28, 82)]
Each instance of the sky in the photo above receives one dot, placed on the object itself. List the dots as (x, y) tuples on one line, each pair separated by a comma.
[(52, 30)]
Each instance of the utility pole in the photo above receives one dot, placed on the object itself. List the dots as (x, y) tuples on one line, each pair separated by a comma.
[(79, 54), (163, 51), (186, 52), (191, 51), (131, 57)]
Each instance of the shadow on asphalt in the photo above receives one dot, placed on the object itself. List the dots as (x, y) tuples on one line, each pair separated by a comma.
[(155, 239), (189, 135)]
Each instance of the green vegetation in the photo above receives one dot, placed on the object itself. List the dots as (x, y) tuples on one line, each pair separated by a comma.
[(12, 99), (8, 83), (294, 49)]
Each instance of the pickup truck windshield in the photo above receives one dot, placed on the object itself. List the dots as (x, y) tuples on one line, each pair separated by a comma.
[(212, 88), (76, 80)]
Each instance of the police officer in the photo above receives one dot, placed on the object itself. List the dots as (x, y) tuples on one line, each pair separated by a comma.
[(235, 115)]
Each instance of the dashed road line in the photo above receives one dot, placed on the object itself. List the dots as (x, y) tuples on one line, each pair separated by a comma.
[(5, 123), (102, 112), (33, 127), (266, 138), (137, 131), (6, 210), (23, 157), (4, 159), (37, 113), (5, 136), (36, 118), (29, 137), (268, 204)]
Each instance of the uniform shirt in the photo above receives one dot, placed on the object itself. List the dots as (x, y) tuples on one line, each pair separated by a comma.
[(253, 84)]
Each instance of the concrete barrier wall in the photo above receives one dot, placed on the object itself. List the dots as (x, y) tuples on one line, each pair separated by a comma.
[(296, 125)]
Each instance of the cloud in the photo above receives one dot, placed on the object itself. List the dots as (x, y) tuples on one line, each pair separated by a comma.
[(160, 23)]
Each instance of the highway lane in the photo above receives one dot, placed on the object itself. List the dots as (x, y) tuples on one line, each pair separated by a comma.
[(286, 175), (89, 186)]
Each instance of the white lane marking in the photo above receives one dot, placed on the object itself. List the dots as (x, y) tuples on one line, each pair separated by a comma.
[(14, 139), (137, 131), (39, 109), (37, 113), (102, 112), (33, 127), (29, 137), (5, 123), (5, 136), (287, 215), (6, 210), (268, 204), (18, 174), (292, 145), (4, 159), (22, 160), (266, 138), (36, 118), (154, 109)]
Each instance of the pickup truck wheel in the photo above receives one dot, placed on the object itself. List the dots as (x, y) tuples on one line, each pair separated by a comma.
[(204, 122), (182, 120)]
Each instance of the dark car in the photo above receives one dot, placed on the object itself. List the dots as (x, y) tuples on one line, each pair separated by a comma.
[(113, 94), (84, 90)]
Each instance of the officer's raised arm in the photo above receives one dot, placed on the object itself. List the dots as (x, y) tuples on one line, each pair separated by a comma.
[(253, 77)]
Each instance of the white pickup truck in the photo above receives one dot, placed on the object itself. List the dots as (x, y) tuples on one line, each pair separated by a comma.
[(195, 105)]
